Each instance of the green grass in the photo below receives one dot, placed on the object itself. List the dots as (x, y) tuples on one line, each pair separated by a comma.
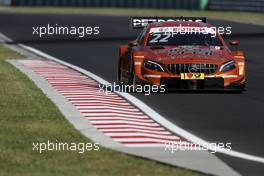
[(256, 18), (27, 116)]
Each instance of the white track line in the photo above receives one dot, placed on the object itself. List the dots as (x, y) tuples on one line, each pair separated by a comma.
[(119, 118), (131, 130), (97, 101), (109, 111), (145, 145), (111, 114), (91, 96), (153, 114), (169, 136), (107, 107), (110, 122), (128, 126), (144, 140)]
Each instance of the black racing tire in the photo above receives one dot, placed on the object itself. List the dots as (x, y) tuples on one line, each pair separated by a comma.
[(130, 77)]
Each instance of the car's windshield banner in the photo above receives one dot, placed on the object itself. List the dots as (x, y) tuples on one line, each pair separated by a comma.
[(140, 22)]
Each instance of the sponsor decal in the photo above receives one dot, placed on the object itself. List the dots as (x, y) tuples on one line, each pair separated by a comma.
[(223, 76), (152, 76), (239, 57), (137, 63), (230, 76), (141, 57), (192, 76)]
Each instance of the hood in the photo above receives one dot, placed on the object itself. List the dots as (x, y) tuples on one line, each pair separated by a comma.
[(188, 53)]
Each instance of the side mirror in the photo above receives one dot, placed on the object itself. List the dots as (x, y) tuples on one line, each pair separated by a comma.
[(132, 43), (234, 42)]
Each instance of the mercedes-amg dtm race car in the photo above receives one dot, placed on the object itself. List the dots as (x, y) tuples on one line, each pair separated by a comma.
[(184, 53)]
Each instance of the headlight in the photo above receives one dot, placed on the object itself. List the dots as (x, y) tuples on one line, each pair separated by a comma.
[(230, 65), (153, 65)]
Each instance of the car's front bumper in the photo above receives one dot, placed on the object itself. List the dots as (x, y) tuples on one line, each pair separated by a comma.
[(230, 80), (206, 84), (177, 83), (227, 81)]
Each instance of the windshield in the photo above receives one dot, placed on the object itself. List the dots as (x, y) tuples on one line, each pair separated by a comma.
[(161, 37)]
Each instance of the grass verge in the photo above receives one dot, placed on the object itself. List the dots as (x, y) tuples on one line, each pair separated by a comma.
[(254, 18), (27, 116)]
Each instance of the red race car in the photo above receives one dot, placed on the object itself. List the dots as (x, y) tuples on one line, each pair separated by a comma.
[(184, 53)]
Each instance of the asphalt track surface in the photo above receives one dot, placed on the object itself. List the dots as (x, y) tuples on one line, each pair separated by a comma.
[(215, 117)]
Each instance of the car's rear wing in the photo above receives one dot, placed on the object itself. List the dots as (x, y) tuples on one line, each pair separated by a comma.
[(141, 22)]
